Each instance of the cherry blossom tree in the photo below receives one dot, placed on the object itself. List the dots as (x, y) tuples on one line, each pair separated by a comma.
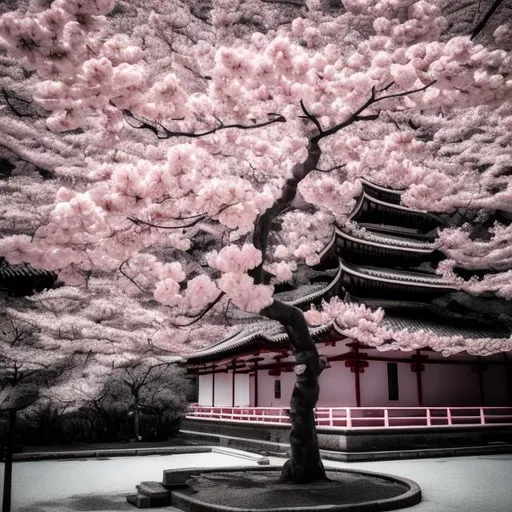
[(201, 130)]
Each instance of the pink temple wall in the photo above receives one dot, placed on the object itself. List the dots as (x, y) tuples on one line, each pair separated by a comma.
[(447, 384), (266, 385), (442, 385), (374, 386), (337, 386)]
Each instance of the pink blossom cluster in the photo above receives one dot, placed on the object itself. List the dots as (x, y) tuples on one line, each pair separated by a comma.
[(54, 40), (242, 291), (359, 322), (305, 236), (239, 287), (235, 259)]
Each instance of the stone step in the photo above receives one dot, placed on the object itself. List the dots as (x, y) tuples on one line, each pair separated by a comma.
[(149, 495), (141, 501), (152, 489)]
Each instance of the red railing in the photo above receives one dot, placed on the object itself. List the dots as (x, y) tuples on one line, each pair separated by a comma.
[(364, 417)]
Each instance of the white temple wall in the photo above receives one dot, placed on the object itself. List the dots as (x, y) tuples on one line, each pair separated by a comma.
[(266, 389), (450, 385), (224, 389), (242, 390), (205, 389), (337, 386)]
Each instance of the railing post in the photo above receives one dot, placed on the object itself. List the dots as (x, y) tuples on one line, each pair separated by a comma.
[(331, 423), (449, 415), (482, 416), (349, 417), (386, 418), (429, 419)]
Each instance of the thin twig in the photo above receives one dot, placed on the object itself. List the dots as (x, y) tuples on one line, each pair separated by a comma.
[(203, 313), (332, 168), (130, 279)]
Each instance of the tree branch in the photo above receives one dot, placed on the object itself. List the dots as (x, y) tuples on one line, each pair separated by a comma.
[(198, 218), (137, 222), (332, 168), (164, 133), (486, 18), (310, 117), (203, 313), (129, 278), (371, 101), (264, 222)]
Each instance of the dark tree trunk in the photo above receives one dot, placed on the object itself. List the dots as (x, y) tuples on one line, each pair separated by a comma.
[(305, 464)]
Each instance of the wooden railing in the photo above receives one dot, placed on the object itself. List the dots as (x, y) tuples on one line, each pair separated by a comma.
[(364, 417)]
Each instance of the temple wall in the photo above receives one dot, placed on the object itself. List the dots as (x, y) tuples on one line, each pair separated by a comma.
[(205, 389), (442, 385), (337, 386), (374, 386), (495, 385), (450, 384), (252, 390), (266, 389), (242, 390), (224, 389)]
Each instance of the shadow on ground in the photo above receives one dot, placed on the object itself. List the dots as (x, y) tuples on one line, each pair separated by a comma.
[(89, 503)]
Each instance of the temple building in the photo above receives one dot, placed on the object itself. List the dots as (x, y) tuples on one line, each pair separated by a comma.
[(22, 280), (383, 257)]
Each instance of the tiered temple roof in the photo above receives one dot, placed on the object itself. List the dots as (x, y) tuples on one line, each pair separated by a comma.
[(386, 258)]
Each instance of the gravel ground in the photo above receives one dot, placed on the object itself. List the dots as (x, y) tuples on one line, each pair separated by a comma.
[(458, 484)]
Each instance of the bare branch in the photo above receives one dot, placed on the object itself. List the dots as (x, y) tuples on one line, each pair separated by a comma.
[(486, 18), (356, 116), (332, 168), (164, 133), (130, 279), (137, 222), (203, 313), (198, 218), (310, 117)]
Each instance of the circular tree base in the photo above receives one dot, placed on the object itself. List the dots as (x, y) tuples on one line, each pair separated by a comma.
[(259, 489)]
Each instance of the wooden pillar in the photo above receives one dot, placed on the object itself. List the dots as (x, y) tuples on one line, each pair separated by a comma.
[(418, 367), (233, 385), (358, 387), (357, 363), (419, 385), (419, 381), (213, 386), (357, 377), (255, 383)]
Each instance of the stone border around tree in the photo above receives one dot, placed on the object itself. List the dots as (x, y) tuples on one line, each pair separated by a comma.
[(407, 499)]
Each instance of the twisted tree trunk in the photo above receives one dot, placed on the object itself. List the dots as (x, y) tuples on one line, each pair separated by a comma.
[(305, 464)]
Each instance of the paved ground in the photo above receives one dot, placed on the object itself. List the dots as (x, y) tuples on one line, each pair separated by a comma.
[(462, 484)]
